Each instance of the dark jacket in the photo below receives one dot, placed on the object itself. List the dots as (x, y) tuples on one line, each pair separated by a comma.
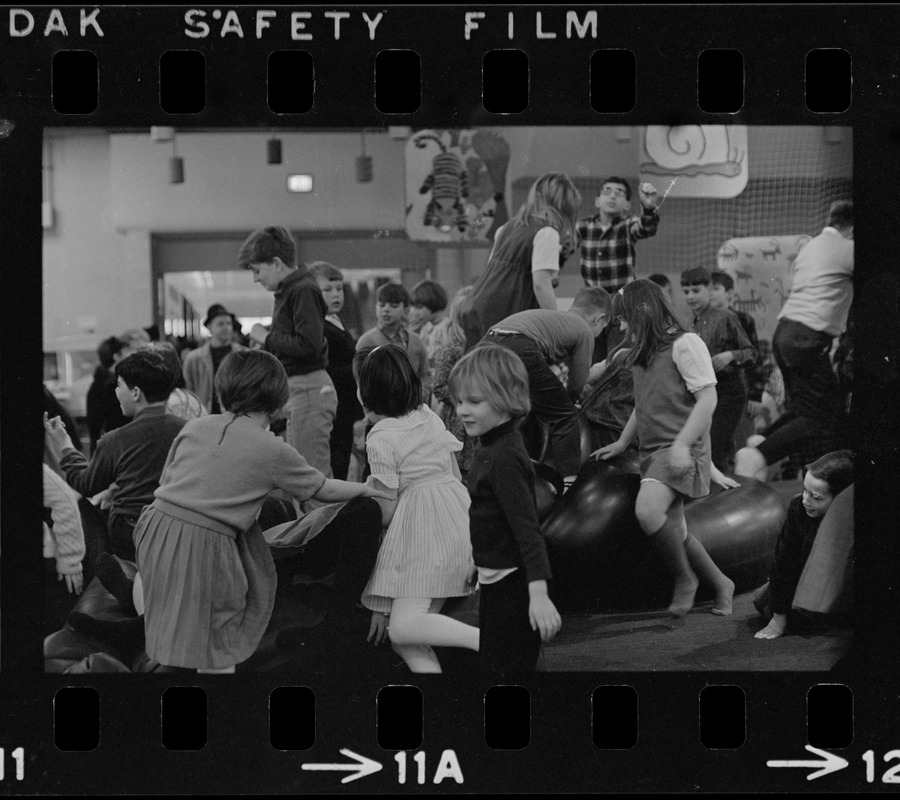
[(132, 457), (297, 336)]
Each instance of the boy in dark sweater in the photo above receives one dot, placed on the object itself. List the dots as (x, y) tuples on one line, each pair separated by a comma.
[(341, 347), (541, 337), (297, 339), (730, 350), (489, 386), (131, 457), (721, 296)]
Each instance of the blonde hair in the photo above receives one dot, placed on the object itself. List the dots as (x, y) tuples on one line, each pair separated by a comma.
[(495, 372), (554, 201), (455, 314)]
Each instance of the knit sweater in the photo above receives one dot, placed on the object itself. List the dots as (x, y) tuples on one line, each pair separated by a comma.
[(65, 541), (224, 466), (503, 518), (132, 457)]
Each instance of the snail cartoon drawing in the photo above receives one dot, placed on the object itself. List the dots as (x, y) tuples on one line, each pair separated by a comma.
[(691, 150)]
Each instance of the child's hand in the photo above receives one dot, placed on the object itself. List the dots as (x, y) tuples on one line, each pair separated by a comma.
[(679, 458), (610, 451), (472, 577), (649, 195), (104, 498), (258, 333), (542, 614), (754, 408), (722, 360), (378, 628), (371, 491), (721, 480), (74, 582), (56, 431)]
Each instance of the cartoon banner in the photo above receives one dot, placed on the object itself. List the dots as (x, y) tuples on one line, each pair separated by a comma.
[(761, 267), (456, 185), (695, 160)]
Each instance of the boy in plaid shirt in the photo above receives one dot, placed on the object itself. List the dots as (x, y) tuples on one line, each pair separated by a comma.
[(607, 238)]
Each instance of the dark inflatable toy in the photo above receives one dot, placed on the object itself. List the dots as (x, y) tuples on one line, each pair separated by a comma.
[(602, 561), (548, 488)]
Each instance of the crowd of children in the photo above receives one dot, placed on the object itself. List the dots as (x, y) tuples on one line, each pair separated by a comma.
[(441, 386)]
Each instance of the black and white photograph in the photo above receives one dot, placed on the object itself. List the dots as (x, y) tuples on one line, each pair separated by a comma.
[(449, 399)]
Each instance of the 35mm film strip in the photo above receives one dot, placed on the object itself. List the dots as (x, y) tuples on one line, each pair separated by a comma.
[(138, 148)]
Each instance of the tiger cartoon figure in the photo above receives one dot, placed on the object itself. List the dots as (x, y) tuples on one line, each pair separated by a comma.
[(448, 184)]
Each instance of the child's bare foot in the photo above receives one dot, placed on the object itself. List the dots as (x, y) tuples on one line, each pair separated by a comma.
[(724, 598), (775, 628), (683, 596)]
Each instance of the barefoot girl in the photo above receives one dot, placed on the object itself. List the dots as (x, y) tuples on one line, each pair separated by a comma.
[(675, 396)]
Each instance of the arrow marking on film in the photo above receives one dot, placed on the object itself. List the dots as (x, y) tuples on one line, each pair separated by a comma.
[(832, 763), (363, 766)]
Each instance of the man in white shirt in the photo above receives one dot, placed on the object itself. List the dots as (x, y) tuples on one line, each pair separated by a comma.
[(813, 315)]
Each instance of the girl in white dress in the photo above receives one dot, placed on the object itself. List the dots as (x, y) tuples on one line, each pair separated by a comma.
[(426, 553)]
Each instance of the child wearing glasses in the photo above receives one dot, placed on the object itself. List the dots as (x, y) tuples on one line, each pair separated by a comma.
[(607, 243), (607, 238)]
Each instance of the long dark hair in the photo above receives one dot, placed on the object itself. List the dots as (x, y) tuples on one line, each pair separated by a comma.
[(651, 321)]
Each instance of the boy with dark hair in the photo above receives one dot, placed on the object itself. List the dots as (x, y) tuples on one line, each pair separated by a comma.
[(663, 282), (541, 337), (341, 348), (730, 350), (608, 238), (297, 339), (131, 457), (721, 296), (428, 299), (391, 307)]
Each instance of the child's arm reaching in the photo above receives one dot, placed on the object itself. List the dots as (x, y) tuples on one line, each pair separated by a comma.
[(387, 502), (618, 447), (719, 479), (335, 491), (542, 283), (545, 267), (542, 614)]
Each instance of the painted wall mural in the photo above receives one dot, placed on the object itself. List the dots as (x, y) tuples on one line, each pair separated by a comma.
[(761, 267), (456, 185), (696, 160)]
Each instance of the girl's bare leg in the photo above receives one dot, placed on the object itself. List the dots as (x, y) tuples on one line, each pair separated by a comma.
[(660, 513)]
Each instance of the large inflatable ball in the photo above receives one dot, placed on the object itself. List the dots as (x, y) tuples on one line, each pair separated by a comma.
[(548, 488), (602, 561)]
